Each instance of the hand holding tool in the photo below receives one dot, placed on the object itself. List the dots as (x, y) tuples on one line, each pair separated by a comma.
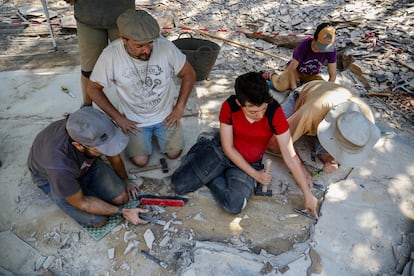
[(262, 190), (153, 220), (304, 213)]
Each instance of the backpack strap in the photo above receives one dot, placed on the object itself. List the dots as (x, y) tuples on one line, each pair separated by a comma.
[(233, 104), (270, 113), (234, 107)]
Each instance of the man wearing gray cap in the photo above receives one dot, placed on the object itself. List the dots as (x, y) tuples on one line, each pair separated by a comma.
[(142, 66), (64, 163)]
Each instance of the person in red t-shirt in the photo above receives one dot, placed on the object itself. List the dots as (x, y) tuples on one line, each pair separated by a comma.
[(230, 163)]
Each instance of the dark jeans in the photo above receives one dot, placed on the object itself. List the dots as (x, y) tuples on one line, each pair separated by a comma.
[(100, 181), (206, 164)]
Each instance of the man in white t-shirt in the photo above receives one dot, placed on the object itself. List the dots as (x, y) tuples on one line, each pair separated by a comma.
[(142, 65)]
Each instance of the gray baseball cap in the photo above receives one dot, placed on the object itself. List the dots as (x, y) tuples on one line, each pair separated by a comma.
[(138, 25), (91, 127)]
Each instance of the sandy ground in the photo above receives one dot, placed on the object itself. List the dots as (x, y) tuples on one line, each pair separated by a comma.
[(365, 212)]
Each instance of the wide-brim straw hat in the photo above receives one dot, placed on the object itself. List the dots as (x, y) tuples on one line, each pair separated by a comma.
[(347, 134)]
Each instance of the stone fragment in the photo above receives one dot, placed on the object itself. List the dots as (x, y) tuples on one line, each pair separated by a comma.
[(48, 262), (111, 253), (149, 238), (132, 244)]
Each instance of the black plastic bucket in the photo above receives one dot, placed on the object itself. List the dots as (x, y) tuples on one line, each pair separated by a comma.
[(200, 53)]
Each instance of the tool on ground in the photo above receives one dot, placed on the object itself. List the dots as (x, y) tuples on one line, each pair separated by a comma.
[(319, 187), (176, 201), (66, 90), (304, 213), (154, 259), (153, 220), (163, 166), (317, 173), (240, 45), (261, 189)]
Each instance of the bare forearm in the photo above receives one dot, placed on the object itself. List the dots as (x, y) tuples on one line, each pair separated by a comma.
[(332, 72), (188, 75), (185, 90), (118, 166), (240, 162), (96, 206), (299, 173), (98, 96)]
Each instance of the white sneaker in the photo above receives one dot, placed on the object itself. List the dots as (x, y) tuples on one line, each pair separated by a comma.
[(244, 203)]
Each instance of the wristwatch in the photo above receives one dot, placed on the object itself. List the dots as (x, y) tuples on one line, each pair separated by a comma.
[(119, 212)]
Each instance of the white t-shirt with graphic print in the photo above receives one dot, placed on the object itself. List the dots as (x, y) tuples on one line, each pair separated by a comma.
[(146, 89)]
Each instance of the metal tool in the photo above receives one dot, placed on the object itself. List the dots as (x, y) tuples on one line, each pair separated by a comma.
[(304, 213), (154, 259), (261, 189), (153, 220), (144, 169), (66, 90), (163, 166), (319, 187)]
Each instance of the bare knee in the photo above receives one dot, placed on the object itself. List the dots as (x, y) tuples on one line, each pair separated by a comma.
[(173, 154), (121, 199), (140, 160), (102, 223)]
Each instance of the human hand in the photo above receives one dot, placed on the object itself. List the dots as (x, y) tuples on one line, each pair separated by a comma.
[(132, 215), (132, 189), (263, 177), (330, 167), (311, 204), (127, 125), (173, 118)]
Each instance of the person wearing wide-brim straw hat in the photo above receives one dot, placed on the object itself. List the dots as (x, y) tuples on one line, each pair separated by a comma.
[(342, 123), (142, 66)]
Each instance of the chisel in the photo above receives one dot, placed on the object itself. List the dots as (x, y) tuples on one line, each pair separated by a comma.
[(155, 259), (153, 220)]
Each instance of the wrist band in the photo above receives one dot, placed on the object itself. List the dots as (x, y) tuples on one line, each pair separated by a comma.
[(128, 180), (119, 212)]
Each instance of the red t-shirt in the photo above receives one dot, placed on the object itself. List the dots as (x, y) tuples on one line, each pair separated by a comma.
[(251, 139)]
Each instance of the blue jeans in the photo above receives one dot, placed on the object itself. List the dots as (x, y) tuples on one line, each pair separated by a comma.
[(169, 140), (206, 164), (100, 181)]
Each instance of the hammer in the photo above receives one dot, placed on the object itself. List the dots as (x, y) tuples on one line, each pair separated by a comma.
[(163, 166), (264, 191)]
